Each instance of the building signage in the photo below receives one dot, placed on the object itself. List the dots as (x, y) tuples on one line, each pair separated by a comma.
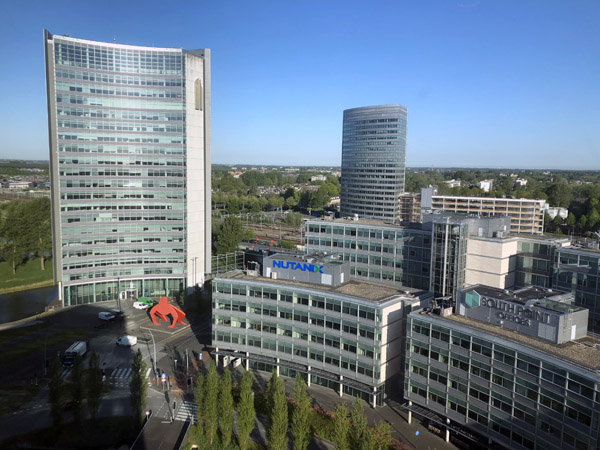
[(514, 312), (298, 266)]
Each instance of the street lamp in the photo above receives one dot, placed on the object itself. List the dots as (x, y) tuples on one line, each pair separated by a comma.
[(119, 292), (154, 344)]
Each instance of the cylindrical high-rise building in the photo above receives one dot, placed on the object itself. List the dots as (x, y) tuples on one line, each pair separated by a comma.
[(129, 132), (373, 161)]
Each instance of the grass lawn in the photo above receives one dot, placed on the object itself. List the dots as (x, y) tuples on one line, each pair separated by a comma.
[(31, 346), (13, 397), (29, 276)]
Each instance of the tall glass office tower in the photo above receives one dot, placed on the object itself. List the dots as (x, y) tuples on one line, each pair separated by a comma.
[(129, 132), (373, 161)]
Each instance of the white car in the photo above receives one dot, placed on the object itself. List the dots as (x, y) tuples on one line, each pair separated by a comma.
[(140, 305), (127, 341)]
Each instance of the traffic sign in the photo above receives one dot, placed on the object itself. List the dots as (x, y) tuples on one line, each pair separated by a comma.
[(164, 377)]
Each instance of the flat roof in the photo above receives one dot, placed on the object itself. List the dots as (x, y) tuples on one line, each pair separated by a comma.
[(377, 293), (413, 226), (580, 249), (311, 258), (545, 298), (581, 352)]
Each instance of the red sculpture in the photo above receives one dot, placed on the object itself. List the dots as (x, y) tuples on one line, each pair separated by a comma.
[(163, 309)]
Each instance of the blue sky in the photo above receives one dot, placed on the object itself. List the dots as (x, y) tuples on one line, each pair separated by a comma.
[(506, 83)]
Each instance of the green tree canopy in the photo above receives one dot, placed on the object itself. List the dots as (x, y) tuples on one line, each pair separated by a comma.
[(300, 415), (225, 408), (230, 234), (138, 388), (278, 423), (211, 417), (246, 412)]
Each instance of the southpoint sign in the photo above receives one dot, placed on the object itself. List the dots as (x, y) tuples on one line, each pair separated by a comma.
[(510, 311), (298, 266)]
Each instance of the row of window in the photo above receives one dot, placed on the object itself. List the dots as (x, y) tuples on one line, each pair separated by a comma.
[(299, 351), (315, 301), (119, 79), (315, 319)]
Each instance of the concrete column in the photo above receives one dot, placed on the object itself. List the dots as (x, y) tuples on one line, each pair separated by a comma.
[(409, 412), (341, 385), (277, 368), (308, 377), (247, 360), (447, 430)]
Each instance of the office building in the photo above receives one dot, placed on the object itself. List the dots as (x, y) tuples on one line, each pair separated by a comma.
[(376, 251), (527, 215), (433, 255), (306, 315), (373, 161), (511, 370), (129, 134), (577, 269)]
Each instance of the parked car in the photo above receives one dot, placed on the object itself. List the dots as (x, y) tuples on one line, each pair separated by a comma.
[(105, 315), (127, 341), (140, 305), (146, 300)]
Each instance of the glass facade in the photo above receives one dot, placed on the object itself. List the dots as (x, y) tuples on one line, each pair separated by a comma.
[(518, 398), (578, 271), (449, 254), (390, 255), (373, 161), (534, 264), (119, 167)]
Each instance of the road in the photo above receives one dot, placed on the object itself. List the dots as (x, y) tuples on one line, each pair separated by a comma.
[(170, 343)]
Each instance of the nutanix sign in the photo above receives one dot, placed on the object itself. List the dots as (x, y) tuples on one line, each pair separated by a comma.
[(293, 265)]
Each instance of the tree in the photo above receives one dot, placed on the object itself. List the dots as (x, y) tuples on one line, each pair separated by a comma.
[(293, 219), (246, 412), (138, 388), (341, 426), (95, 387), (40, 231), (559, 194), (278, 423), (571, 220), (14, 229), (199, 399), (211, 392), (225, 408), (300, 415), (358, 431), (78, 388), (230, 234), (383, 435), (56, 393), (582, 223), (593, 219)]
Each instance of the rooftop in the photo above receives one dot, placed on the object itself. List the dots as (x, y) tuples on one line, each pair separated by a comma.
[(545, 298), (376, 293), (581, 352), (367, 222)]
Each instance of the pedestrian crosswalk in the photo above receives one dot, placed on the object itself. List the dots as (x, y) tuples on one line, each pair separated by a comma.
[(119, 376), (186, 412)]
